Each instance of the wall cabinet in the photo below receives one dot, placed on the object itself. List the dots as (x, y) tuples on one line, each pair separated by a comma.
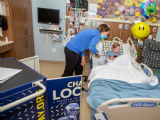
[(20, 27), (24, 48)]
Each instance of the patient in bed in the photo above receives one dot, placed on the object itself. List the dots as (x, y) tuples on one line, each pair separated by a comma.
[(121, 68), (115, 52)]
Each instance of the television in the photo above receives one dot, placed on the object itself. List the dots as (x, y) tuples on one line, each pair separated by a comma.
[(48, 16), (83, 4)]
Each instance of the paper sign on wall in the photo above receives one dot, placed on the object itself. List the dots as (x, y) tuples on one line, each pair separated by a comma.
[(126, 26), (92, 9), (154, 29), (91, 24)]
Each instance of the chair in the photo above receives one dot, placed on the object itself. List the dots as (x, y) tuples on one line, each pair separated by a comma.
[(32, 62)]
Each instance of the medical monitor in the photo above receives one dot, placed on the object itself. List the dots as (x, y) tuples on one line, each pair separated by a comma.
[(83, 4)]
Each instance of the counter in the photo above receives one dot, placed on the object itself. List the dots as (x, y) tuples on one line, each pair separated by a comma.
[(3, 43), (5, 46)]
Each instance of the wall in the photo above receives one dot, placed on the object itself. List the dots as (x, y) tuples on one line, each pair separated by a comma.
[(42, 48), (123, 33)]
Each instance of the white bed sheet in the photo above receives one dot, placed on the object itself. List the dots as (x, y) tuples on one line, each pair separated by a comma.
[(117, 69), (120, 68)]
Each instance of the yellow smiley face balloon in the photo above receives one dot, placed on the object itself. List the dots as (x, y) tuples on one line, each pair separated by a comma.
[(140, 30)]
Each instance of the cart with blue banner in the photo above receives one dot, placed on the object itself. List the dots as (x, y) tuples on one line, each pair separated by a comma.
[(29, 96), (23, 96)]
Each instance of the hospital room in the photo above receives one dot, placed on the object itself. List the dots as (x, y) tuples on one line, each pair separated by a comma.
[(79, 59)]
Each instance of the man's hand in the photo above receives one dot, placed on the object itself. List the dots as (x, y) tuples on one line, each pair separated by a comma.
[(83, 61)]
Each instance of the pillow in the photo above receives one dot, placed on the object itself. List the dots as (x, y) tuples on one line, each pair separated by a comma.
[(107, 46)]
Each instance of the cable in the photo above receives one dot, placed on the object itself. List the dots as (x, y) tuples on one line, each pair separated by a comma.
[(99, 62)]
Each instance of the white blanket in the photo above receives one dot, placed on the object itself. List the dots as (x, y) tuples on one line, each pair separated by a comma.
[(120, 68)]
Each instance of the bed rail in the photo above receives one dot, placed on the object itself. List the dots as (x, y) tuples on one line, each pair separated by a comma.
[(132, 48), (150, 72), (134, 109), (116, 38)]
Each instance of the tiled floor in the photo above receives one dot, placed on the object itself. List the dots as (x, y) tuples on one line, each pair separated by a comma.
[(55, 70)]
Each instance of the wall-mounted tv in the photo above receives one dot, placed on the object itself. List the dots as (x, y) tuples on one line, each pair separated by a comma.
[(48, 16)]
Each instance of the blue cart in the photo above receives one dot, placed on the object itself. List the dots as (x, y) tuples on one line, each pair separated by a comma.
[(24, 96)]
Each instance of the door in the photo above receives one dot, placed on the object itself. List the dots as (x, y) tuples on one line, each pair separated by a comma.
[(20, 49), (30, 47), (28, 23), (17, 18)]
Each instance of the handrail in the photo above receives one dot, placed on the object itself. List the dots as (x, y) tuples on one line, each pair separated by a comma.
[(105, 106), (114, 39), (150, 71), (134, 55), (17, 102)]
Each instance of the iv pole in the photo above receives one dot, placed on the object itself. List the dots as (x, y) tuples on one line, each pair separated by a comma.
[(76, 15)]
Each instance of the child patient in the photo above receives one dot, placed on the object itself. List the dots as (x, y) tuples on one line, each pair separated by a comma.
[(115, 52)]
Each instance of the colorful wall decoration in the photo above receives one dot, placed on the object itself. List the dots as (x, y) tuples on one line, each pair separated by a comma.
[(124, 10)]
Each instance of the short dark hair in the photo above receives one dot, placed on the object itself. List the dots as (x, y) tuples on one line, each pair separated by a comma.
[(103, 28)]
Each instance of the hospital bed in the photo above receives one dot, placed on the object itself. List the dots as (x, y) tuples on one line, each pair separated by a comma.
[(134, 108), (126, 48)]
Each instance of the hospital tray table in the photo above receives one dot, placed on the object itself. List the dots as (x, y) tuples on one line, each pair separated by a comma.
[(23, 97)]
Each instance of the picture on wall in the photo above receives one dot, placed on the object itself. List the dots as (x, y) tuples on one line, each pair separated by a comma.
[(124, 10)]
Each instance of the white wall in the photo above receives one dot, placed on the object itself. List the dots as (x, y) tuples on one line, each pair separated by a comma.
[(42, 48)]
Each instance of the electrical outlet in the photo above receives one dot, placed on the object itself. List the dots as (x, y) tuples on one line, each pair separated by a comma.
[(54, 49)]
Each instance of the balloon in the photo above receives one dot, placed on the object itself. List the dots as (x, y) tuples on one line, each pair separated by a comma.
[(148, 9), (139, 19), (140, 30)]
